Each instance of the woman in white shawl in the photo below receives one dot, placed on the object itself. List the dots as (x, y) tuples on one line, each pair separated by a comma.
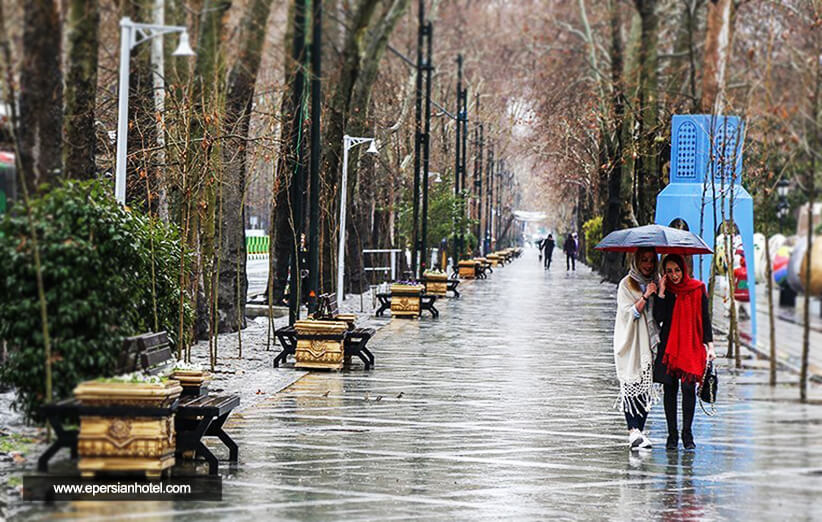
[(636, 336)]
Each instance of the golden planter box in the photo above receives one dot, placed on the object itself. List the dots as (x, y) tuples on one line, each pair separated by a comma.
[(126, 443), (101, 393), (405, 300), (436, 283), (467, 269), (192, 381), (320, 344)]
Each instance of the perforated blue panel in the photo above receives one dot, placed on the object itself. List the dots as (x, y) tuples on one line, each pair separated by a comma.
[(686, 150), (695, 156), (725, 150)]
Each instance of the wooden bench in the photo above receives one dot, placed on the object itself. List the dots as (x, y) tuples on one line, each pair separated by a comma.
[(195, 416), (355, 340), (426, 303)]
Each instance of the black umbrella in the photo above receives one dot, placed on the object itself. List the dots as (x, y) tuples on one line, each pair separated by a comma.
[(665, 240)]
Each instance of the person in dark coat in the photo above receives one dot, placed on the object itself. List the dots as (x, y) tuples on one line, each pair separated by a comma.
[(570, 248), (686, 344), (548, 250)]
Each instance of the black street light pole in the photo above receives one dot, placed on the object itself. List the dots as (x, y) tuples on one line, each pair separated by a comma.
[(417, 143), (297, 188), (478, 181), (458, 156), (489, 215), (464, 160), (500, 171), (426, 143), (314, 172)]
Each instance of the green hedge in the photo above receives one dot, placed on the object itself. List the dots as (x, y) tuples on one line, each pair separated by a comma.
[(593, 235), (97, 269)]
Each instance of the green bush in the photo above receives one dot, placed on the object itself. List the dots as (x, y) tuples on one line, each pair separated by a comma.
[(593, 235), (97, 271)]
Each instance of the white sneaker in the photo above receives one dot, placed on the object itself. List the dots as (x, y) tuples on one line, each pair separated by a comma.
[(634, 439), (638, 441)]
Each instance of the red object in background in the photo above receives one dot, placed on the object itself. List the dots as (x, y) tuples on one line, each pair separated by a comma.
[(741, 291)]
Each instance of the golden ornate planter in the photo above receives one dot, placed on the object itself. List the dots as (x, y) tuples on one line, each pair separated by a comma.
[(320, 344), (126, 443), (436, 283), (192, 381), (101, 393), (405, 300), (467, 269)]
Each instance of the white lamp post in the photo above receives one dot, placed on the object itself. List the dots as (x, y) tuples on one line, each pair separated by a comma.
[(133, 34), (348, 142)]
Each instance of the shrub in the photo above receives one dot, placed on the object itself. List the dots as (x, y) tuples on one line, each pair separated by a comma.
[(97, 272), (593, 235)]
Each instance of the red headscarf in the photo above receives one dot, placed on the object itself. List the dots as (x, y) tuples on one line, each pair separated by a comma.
[(685, 356)]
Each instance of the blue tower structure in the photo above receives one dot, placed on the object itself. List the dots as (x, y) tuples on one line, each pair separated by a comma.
[(705, 150)]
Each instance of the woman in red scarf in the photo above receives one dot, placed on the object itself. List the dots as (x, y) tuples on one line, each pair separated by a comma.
[(686, 343)]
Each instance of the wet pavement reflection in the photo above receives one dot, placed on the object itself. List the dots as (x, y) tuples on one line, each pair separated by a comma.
[(503, 408)]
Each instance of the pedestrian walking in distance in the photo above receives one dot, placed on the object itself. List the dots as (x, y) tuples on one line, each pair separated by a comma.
[(548, 249), (636, 336), (686, 344), (570, 248)]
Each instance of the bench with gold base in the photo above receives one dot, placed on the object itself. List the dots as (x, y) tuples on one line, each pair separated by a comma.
[(468, 268), (436, 283), (320, 344)]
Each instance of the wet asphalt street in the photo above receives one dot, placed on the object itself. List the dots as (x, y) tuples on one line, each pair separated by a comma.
[(503, 409)]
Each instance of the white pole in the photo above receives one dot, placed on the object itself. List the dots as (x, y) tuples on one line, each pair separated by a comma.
[(158, 60), (341, 250), (122, 110)]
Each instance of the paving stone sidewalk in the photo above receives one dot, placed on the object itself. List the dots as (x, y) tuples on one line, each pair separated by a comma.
[(503, 409)]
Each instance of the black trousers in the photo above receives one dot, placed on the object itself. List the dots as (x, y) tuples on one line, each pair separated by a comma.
[(570, 262), (688, 406), (637, 421), (547, 260)]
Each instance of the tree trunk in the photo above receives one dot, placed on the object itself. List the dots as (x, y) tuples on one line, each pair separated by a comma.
[(611, 267), (207, 90), (41, 94), (717, 53), (282, 239), (815, 142), (351, 59), (771, 322), (357, 115), (81, 89), (647, 176), (241, 80)]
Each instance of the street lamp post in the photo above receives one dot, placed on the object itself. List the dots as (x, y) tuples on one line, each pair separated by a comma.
[(348, 142), (133, 34)]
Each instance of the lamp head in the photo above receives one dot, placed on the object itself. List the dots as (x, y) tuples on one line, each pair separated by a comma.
[(183, 48), (782, 187), (372, 149)]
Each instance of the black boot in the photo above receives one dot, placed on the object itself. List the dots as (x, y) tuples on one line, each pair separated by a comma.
[(688, 440), (669, 400)]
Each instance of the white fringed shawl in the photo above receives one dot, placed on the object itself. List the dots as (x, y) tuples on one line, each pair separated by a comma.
[(633, 353)]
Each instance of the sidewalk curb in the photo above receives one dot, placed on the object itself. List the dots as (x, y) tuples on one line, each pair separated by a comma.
[(761, 352)]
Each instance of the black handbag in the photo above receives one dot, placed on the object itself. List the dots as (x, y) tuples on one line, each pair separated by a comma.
[(708, 389)]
